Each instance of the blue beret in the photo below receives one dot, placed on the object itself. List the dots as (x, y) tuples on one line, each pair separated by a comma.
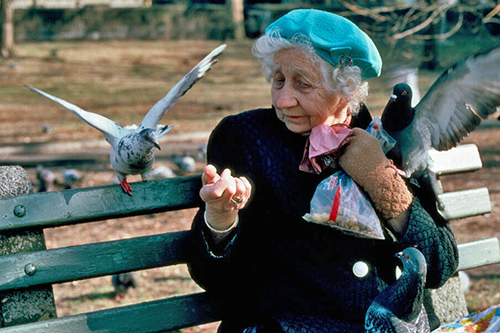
[(332, 37)]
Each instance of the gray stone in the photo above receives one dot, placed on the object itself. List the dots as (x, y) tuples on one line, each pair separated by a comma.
[(22, 306), (448, 302)]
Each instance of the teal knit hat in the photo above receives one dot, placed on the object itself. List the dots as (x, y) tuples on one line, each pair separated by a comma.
[(334, 38)]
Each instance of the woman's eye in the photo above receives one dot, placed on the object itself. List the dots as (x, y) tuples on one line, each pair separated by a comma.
[(278, 81), (304, 85)]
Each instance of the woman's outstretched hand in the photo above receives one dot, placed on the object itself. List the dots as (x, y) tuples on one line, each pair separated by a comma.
[(223, 195)]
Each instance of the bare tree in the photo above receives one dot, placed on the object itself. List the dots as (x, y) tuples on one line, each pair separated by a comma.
[(7, 27), (427, 21)]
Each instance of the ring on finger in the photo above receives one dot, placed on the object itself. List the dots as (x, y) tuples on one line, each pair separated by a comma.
[(237, 200)]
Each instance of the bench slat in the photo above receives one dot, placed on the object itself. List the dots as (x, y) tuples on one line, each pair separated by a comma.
[(463, 158), (460, 204), (155, 316), (478, 253), (92, 260), (51, 209)]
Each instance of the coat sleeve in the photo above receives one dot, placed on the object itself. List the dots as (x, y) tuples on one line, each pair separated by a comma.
[(435, 239), (210, 265)]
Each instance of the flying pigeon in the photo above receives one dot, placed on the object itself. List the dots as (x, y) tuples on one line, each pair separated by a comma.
[(122, 283), (132, 148), (399, 308), (454, 106)]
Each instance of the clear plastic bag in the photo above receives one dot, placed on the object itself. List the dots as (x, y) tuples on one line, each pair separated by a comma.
[(339, 203), (376, 129)]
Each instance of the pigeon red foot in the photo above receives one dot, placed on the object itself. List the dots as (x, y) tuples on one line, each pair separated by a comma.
[(126, 186)]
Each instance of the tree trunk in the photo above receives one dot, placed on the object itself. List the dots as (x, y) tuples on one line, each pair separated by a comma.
[(238, 18), (7, 28)]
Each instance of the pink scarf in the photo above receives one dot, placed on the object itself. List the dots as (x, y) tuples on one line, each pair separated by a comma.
[(323, 147)]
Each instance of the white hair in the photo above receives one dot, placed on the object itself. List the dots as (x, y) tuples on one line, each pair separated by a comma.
[(344, 80)]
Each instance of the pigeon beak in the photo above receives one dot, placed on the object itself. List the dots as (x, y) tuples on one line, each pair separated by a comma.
[(399, 255), (393, 98), (156, 144)]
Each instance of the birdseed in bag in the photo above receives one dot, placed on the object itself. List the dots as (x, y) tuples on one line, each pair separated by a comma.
[(339, 203)]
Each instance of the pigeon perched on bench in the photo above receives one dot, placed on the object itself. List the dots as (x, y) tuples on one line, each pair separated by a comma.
[(399, 308), (453, 107), (132, 148)]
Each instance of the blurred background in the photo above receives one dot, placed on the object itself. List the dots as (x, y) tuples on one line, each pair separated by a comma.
[(117, 58)]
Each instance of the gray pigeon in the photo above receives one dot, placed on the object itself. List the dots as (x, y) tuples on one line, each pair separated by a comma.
[(162, 172), (46, 179), (185, 163), (71, 178), (132, 150), (399, 308), (452, 108), (122, 283)]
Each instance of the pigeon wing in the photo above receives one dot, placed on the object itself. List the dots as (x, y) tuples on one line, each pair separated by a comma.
[(158, 110), (111, 130), (379, 319), (459, 99)]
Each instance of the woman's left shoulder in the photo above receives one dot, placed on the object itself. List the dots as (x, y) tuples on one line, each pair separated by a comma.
[(255, 116)]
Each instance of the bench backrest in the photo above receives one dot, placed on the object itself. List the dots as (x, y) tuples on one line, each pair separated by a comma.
[(24, 271)]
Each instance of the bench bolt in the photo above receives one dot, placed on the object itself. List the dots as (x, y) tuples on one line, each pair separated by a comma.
[(19, 211), (30, 269)]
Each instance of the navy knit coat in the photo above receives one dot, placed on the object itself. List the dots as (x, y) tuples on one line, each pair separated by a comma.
[(275, 262)]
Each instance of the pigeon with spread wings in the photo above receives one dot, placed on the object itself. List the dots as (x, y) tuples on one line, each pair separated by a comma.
[(132, 147), (454, 106)]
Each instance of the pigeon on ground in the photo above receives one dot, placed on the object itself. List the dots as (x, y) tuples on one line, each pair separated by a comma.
[(201, 153), (122, 283), (185, 163), (46, 179), (71, 178), (162, 172), (399, 308), (132, 150), (454, 106)]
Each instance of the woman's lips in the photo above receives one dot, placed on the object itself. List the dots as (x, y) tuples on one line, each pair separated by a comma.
[(293, 117)]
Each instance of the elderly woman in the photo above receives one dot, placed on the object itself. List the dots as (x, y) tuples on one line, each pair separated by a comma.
[(272, 270)]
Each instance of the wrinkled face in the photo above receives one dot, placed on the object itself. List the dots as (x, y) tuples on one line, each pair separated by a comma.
[(299, 97)]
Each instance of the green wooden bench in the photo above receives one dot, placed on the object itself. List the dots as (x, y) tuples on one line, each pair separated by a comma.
[(23, 272)]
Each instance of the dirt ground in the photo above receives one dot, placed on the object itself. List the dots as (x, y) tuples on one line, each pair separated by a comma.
[(120, 80)]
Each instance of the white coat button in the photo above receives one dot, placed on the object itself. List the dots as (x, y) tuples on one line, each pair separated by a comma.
[(360, 269)]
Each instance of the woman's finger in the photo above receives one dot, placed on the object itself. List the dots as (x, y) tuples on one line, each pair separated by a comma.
[(221, 189), (230, 185), (248, 186), (209, 175)]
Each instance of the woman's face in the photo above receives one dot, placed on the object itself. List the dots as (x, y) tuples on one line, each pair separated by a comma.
[(298, 95)]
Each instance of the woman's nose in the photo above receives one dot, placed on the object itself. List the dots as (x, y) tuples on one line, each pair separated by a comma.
[(285, 98)]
